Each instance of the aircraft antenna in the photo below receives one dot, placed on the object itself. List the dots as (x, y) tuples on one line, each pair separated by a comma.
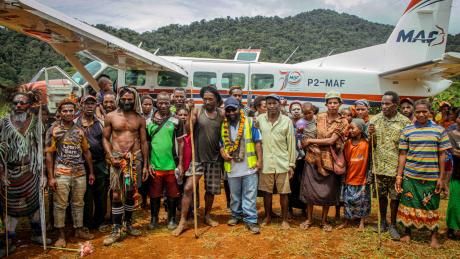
[(322, 61), (156, 51), (290, 56), (140, 44)]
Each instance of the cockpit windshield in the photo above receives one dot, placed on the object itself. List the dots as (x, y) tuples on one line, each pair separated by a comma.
[(93, 67)]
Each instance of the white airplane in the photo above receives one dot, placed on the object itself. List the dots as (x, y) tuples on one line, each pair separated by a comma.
[(412, 62)]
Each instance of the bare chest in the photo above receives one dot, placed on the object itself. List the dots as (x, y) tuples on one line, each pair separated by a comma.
[(125, 124)]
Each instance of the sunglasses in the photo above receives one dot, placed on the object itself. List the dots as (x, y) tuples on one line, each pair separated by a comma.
[(20, 102), (230, 110)]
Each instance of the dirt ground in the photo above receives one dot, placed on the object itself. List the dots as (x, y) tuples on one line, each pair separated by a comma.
[(236, 242)]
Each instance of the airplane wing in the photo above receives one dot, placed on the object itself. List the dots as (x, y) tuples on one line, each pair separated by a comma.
[(69, 36), (447, 67)]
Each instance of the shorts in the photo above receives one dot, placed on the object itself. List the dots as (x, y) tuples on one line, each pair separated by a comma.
[(212, 175), (267, 182), (161, 179), (386, 187)]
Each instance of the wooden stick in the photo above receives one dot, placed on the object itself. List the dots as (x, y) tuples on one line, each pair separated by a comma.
[(6, 213), (195, 212), (376, 186), (42, 176)]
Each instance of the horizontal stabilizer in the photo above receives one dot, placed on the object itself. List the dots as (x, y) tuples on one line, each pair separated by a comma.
[(447, 67)]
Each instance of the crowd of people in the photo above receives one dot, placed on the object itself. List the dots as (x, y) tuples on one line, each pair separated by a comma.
[(124, 148)]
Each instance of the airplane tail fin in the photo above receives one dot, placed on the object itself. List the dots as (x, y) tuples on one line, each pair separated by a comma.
[(420, 35)]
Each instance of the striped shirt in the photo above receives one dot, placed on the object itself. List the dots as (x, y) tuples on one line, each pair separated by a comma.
[(423, 144)]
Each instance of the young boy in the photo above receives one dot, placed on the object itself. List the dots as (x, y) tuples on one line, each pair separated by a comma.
[(356, 192), (309, 132), (67, 150)]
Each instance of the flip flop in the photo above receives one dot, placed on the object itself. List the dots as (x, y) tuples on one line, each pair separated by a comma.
[(305, 225), (327, 227)]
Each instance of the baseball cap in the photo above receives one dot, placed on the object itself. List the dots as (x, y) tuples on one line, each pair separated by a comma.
[(273, 96), (231, 102), (333, 94), (407, 100), (88, 97)]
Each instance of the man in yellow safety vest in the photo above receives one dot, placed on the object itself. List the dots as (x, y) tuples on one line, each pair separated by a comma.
[(241, 149)]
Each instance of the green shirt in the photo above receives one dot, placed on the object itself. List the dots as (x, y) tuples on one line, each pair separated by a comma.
[(387, 133), (278, 144), (161, 146)]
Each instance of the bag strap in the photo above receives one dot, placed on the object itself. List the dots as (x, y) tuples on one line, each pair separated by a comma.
[(158, 128)]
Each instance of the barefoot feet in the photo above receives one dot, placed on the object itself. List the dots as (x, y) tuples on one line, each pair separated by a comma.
[(285, 225), (180, 228), (60, 243), (405, 239), (210, 222), (434, 241), (266, 221)]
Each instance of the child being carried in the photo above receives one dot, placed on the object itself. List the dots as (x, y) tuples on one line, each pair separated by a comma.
[(313, 153)]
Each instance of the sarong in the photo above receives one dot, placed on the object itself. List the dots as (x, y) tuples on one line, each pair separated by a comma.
[(317, 189), (23, 196), (357, 201), (453, 208), (128, 176), (419, 204)]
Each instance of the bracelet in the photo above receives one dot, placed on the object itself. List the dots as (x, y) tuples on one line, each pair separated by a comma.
[(399, 176)]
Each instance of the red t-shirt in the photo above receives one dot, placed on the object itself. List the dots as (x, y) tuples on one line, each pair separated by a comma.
[(356, 157)]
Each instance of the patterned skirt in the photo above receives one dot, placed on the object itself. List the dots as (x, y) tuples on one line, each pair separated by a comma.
[(23, 191), (419, 204), (357, 201)]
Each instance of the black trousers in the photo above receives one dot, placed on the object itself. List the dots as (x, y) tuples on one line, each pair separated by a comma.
[(96, 196)]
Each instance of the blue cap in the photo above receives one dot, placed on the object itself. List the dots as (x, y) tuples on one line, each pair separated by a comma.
[(273, 96), (231, 102)]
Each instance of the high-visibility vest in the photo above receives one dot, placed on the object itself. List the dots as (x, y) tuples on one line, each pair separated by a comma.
[(250, 152)]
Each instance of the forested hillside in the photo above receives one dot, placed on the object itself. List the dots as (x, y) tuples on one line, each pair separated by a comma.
[(317, 33)]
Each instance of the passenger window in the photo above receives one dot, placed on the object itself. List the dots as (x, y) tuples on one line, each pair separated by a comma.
[(262, 81), (171, 79), (202, 79), (135, 77), (231, 79)]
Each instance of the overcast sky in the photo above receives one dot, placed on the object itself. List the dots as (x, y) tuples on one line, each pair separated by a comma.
[(145, 15)]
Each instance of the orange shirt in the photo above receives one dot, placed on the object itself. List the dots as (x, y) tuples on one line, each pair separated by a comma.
[(356, 157)]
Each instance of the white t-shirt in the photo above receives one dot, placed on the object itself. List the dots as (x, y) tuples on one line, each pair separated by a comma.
[(239, 169)]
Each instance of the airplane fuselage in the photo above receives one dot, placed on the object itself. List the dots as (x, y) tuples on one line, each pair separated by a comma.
[(291, 81)]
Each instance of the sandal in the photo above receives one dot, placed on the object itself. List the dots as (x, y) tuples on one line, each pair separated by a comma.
[(327, 227), (305, 225)]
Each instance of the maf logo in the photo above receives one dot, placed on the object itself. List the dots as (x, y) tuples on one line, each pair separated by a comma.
[(433, 38)]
